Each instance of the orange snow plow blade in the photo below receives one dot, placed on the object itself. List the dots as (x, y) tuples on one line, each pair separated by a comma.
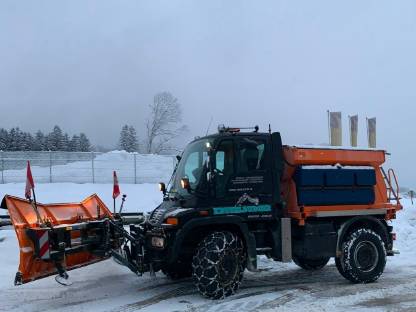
[(58, 237)]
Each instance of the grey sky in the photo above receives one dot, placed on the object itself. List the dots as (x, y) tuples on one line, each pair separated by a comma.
[(94, 65)]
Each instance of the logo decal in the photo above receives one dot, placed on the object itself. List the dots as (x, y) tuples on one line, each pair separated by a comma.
[(242, 209)]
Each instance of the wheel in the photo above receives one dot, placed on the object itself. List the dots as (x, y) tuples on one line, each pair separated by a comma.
[(363, 257), (178, 270), (311, 264), (218, 265)]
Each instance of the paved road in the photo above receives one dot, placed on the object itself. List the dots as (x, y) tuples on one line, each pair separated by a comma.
[(107, 286)]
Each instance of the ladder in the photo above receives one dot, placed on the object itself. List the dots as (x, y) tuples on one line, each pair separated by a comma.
[(393, 192)]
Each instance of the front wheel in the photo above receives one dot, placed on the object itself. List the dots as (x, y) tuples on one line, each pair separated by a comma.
[(363, 256), (218, 265), (311, 264)]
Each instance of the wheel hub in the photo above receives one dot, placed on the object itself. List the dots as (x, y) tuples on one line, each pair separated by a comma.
[(366, 256), (227, 267)]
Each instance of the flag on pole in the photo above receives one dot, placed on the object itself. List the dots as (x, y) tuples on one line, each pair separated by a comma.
[(30, 184), (372, 132), (335, 128), (116, 187), (354, 130)]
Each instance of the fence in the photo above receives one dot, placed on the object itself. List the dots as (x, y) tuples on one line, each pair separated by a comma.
[(90, 167)]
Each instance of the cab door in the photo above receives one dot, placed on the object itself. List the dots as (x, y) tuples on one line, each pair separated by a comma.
[(243, 175)]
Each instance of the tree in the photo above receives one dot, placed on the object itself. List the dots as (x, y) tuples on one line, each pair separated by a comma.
[(55, 139), (39, 143), (74, 144), (128, 139), (15, 139), (133, 142), (163, 123), (84, 143), (123, 143), (4, 140)]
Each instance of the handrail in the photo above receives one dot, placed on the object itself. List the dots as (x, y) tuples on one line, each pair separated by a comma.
[(396, 193)]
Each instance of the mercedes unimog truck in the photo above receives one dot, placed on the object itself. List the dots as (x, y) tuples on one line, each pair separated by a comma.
[(233, 196)]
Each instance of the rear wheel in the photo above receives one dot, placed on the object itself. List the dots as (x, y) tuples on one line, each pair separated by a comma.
[(311, 264), (219, 264), (363, 256)]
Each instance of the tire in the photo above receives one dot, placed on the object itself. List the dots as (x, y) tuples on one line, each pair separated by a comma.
[(218, 265), (363, 257), (178, 270), (311, 264)]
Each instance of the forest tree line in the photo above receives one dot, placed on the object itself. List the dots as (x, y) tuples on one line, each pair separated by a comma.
[(56, 140)]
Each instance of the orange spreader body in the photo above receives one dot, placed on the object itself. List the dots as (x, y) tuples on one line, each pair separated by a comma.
[(23, 217), (303, 156)]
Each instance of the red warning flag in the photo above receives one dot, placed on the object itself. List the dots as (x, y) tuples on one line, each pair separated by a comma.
[(116, 187), (30, 184)]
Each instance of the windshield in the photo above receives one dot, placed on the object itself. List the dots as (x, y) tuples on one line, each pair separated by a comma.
[(193, 165)]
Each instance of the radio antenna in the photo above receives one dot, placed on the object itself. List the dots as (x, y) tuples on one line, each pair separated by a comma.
[(209, 126)]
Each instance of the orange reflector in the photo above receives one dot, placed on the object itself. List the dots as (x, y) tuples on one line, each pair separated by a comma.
[(172, 221), (204, 213)]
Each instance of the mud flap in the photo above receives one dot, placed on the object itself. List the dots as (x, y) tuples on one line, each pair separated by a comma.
[(68, 236)]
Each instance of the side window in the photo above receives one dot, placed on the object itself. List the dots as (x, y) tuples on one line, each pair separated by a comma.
[(190, 165), (224, 163), (251, 155)]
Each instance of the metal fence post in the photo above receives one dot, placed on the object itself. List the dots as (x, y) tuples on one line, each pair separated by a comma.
[(92, 167), (2, 167), (50, 166), (135, 169)]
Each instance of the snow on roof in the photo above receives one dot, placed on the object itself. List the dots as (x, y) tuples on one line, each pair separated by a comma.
[(312, 146)]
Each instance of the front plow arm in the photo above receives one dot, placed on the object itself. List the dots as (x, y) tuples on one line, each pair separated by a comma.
[(56, 238)]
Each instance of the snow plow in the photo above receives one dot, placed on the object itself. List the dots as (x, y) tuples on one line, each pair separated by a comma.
[(233, 196), (59, 237)]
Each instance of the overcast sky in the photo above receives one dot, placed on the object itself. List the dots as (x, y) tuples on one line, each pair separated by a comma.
[(94, 65)]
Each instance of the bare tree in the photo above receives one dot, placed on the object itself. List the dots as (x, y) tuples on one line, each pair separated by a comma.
[(163, 125)]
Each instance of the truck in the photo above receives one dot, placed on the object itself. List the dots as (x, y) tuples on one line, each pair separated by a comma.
[(234, 195)]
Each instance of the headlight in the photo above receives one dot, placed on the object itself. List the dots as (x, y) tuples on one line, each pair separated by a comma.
[(158, 242)]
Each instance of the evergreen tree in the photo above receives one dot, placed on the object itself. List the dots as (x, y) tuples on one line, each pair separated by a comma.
[(124, 138), (84, 143), (39, 143), (15, 139), (65, 143), (74, 144), (27, 142), (4, 140), (133, 142), (55, 139)]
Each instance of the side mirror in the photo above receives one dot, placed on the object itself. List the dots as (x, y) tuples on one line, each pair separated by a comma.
[(162, 188), (178, 158), (185, 184)]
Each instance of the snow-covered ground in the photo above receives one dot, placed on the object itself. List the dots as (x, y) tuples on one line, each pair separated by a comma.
[(107, 286)]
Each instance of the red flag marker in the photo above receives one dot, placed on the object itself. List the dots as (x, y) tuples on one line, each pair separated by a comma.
[(116, 187), (116, 190), (30, 184)]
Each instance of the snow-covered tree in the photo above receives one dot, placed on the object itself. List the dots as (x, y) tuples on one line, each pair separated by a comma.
[(55, 139), (39, 142), (4, 140), (84, 143), (74, 144), (163, 124), (123, 142)]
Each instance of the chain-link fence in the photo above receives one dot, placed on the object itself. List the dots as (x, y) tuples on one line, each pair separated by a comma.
[(93, 167)]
